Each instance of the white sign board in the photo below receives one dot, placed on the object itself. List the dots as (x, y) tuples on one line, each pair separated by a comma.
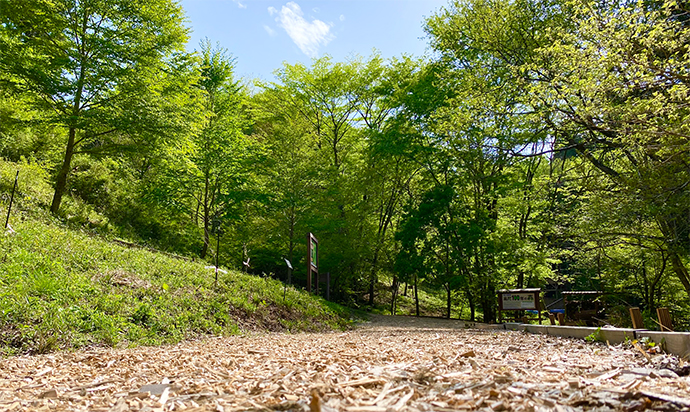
[(518, 301)]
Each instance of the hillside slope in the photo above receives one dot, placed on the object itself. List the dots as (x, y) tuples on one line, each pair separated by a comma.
[(64, 288)]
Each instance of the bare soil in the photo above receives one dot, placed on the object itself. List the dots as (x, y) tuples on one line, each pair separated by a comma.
[(388, 364)]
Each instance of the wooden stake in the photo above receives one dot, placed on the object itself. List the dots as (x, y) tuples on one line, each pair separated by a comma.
[(9, 209), (636, 317)]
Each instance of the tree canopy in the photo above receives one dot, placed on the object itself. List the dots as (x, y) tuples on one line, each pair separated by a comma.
[(98, 67)]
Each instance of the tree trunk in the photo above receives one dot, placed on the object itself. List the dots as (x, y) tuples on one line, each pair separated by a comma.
[(373, 279), (61, 181), (646, 292), (394, 294), (448, 300), (680, 270), (655, 288), (372, 283), (488, 302), (207, 214), (292, 222)]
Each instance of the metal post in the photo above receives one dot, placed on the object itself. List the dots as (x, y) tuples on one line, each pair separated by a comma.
[(217, 253), (289, 277), (312, 261), (9, 209), (309, 266)]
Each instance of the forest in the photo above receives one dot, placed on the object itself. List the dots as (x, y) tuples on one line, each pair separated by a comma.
[(543, 143)]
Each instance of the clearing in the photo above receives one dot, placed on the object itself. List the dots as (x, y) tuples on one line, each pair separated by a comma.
[(388, 364)]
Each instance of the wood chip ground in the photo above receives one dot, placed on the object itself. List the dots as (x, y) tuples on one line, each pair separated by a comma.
[(386, 365)]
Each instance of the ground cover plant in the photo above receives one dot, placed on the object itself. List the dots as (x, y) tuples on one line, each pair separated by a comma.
[(62, 287)]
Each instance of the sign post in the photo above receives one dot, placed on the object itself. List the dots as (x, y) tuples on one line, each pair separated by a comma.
[(312, 261), (519, 300)]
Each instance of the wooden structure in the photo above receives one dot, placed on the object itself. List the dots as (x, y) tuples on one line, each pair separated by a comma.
[(636, 317), (519, 301), (583, 305), (312, 262), (561, 319), (664, 319)]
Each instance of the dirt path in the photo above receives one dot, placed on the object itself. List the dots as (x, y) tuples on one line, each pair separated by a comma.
[(389, 364)]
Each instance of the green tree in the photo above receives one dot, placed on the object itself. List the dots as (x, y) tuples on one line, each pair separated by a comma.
[(322, 100), (289, 173), (204, 171), (322, 95), (475, 135), (616, 92), (95, 65), (385, 172)]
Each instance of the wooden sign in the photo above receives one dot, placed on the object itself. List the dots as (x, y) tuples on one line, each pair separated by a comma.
[(518, 300)]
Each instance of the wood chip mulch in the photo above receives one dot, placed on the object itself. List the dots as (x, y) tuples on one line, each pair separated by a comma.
[(387, 365)]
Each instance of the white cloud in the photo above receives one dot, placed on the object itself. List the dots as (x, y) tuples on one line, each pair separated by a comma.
[(269, 30), (240, 4), (342, 17), (307, 36)]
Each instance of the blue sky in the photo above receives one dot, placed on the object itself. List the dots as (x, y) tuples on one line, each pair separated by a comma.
[(262, 34)]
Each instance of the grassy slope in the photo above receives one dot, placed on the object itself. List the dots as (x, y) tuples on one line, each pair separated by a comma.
[(62, 288), (431, 303)]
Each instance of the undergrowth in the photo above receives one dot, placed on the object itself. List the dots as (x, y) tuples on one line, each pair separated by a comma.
[(430, 304), (63, 288)]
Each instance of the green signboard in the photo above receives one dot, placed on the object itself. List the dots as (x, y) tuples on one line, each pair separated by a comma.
[(313, 251)]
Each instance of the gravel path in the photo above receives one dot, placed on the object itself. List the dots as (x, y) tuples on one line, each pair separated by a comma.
[(388, 364)]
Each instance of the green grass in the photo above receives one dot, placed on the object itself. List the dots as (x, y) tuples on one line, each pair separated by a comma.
[(430, 303), (62, 288)]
